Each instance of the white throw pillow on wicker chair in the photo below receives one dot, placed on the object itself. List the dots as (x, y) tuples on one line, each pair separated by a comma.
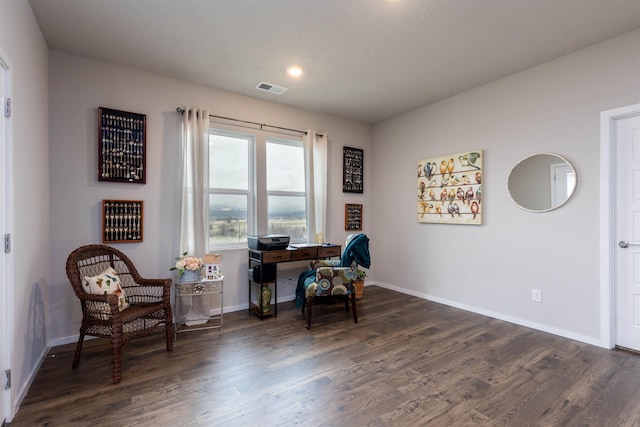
[(106, 283)]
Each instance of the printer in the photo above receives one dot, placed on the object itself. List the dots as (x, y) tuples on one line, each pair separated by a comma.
[(268, 242)]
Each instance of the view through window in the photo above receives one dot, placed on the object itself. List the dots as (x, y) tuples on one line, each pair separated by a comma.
[(231, 188), (286, 203), (233, 195)]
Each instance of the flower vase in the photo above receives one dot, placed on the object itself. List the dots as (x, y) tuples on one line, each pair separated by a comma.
[(266, 298), (188, 276)]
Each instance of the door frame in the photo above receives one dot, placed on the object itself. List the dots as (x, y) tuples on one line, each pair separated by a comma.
[(6, 260), (608, 220)]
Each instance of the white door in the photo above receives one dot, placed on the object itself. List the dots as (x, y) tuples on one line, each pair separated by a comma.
[(627, 288)]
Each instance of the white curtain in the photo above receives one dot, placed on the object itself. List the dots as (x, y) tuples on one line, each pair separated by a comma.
[(315, 148), (194, 216)]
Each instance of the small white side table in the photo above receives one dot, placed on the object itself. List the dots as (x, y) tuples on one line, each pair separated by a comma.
[(199, 288)]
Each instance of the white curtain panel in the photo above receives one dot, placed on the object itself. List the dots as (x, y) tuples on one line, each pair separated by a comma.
[(315, 147), (194, 217)]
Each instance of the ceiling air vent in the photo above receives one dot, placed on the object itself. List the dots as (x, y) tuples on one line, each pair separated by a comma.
[(278, 90)]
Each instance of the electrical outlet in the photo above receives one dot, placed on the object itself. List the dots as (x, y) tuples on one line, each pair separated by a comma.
[(536, 295)]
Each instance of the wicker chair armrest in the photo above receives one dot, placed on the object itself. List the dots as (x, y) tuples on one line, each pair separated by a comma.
[(102, 306), (110, 299), (165, 283)]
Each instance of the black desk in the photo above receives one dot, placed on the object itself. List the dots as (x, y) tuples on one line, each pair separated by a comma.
[(261, 258)]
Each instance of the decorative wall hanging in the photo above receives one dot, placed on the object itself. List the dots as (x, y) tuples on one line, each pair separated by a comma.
[(121, 146), (352, 217), (122, 221), (352, 170), (450, 189)]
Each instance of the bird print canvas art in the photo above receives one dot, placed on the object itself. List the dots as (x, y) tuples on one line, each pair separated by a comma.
[(450, 189)]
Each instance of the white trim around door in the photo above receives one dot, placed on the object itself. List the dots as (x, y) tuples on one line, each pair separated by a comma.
[(6, 227), (607, 219)]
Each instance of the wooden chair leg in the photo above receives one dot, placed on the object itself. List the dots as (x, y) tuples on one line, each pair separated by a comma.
[(309, 303), (169, 334), (116, 348), (76, 358), (353, 306), (304, 304), (169, 328)]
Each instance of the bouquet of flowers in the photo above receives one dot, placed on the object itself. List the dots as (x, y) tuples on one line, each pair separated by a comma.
[(187, 262)]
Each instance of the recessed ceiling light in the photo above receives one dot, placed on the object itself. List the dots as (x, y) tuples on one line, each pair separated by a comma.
[(294, 71)]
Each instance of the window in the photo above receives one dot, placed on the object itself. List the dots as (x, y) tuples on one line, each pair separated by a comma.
[(286, 196), (237, 206), (231, 188)]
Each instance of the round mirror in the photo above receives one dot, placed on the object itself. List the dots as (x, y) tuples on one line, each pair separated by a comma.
[(542, 182)]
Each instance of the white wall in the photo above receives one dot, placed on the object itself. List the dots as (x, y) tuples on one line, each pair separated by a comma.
[(78, 86), (492, 268), (22, 42)]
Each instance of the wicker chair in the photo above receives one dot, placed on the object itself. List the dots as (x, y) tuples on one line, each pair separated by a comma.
[(149, 302)]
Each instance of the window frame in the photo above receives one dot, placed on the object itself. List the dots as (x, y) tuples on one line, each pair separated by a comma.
[(298, 143), (249, 193), (257, 193)]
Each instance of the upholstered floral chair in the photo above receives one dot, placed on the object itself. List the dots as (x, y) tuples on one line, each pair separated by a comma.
[(333, 279), (116, 302)]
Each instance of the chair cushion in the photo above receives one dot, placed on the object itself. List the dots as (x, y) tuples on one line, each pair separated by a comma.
[(332, 281), (106, 283)]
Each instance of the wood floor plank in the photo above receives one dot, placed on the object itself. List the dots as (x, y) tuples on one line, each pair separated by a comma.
[(611, 400), (407, 362)]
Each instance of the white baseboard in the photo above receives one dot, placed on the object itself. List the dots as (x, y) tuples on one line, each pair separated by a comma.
[(22, 393), (500, 316)]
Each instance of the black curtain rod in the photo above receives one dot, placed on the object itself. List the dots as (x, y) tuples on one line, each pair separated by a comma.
[(181, 111)]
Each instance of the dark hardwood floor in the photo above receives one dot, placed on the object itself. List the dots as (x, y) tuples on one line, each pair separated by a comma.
[(408, 362)]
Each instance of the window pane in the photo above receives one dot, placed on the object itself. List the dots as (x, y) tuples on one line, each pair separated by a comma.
[(228, 162), (287, 215), (285, 166), (227, 218)]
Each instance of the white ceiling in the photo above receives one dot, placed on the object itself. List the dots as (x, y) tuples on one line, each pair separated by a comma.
[(367, 60)]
